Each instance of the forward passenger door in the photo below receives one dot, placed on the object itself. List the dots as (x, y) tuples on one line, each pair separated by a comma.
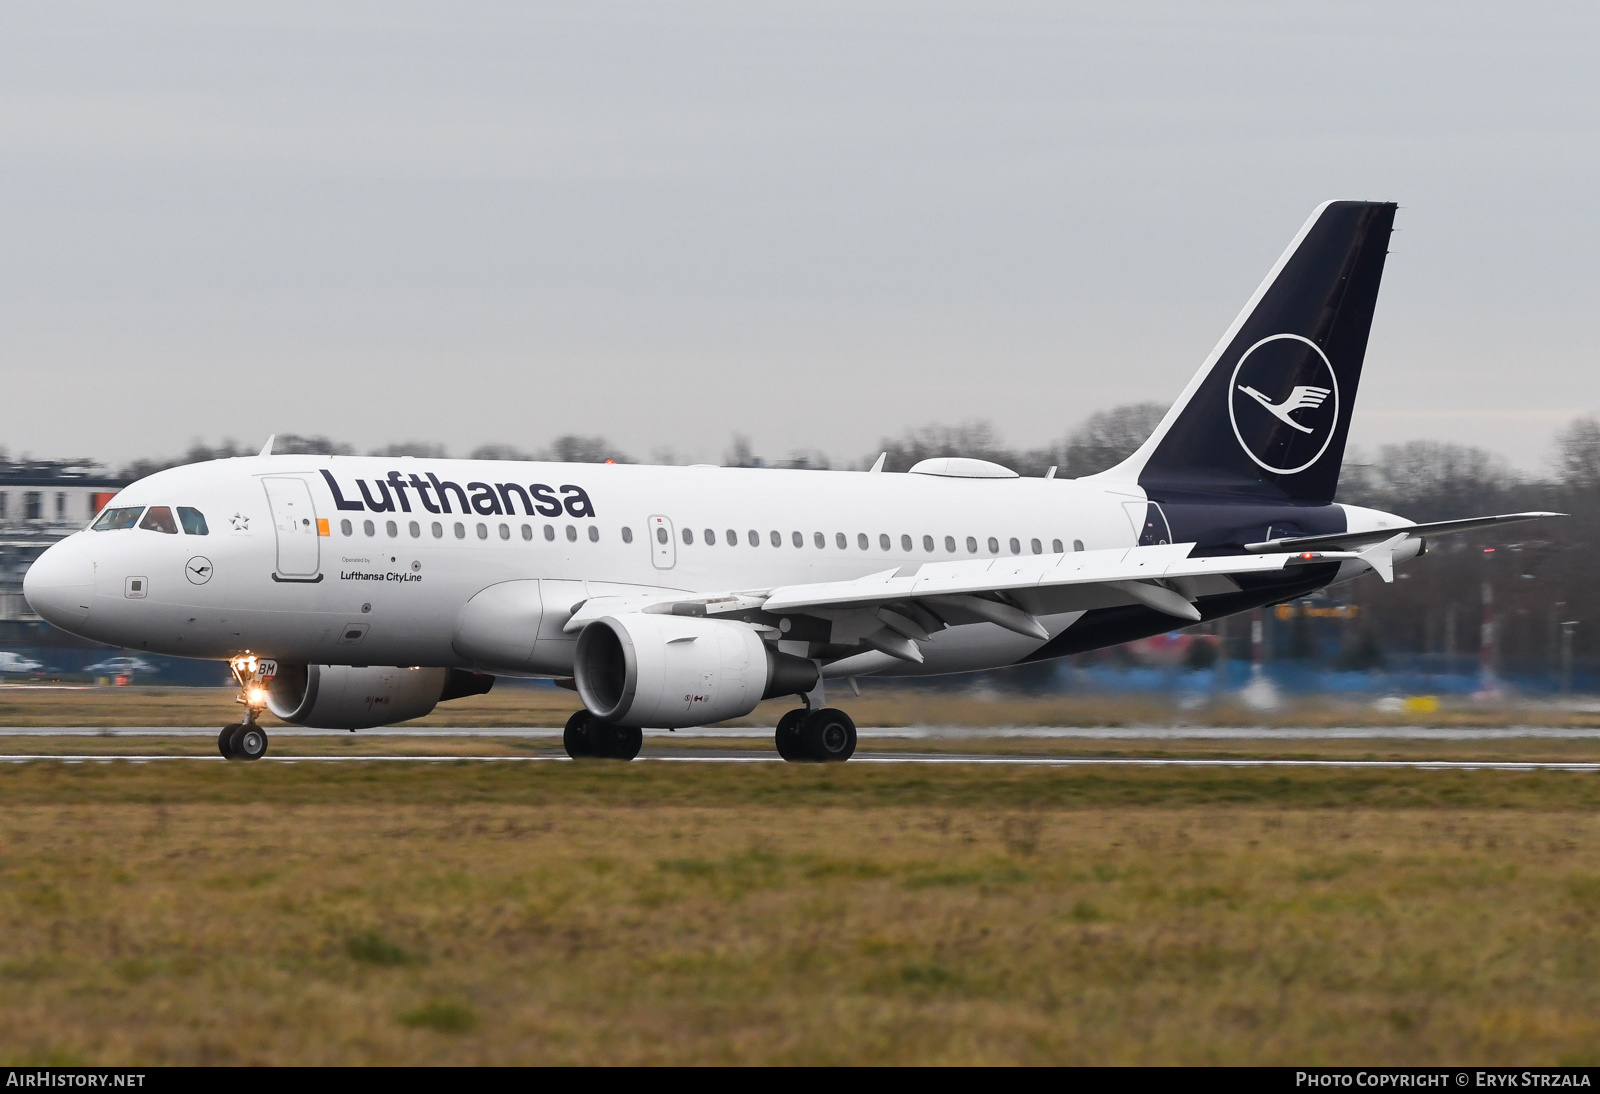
[(294, 518)]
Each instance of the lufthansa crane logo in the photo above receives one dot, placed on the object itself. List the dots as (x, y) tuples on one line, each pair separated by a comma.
[(1283, 402)]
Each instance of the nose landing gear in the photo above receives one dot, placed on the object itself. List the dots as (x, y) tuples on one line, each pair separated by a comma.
[(242, 741), (246, 740)]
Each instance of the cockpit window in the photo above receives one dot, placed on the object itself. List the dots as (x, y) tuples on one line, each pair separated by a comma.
[(159, 519), (113, 520), (193, 520)]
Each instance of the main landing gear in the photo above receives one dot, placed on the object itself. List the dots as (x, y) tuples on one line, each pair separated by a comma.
[(246, 740), (826, 735), (588, 738)]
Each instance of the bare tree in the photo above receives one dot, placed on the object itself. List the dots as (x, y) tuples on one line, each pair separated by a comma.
[(739, 453), (292, 444), (495, 451), (572, 448), (420, 449), (1431, 480), (976, 439), (1108, 437), (1578, 454)]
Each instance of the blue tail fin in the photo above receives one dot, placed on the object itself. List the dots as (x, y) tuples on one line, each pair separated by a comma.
[(1267, 415)]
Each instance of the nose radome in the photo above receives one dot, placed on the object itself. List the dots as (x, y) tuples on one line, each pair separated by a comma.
[(59, 585)]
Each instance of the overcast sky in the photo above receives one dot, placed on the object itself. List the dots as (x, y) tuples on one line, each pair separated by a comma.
[(817, 224)]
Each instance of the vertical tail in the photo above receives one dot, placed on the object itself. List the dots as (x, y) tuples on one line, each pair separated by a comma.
[(1267, 415)]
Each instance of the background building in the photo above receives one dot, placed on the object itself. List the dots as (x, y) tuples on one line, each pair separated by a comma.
[(40, 503)]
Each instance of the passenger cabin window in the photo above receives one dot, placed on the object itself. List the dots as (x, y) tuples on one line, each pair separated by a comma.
[(841, 540), (159, 519), (927, 543), (688, 537), (461, 530), (972, 545), (861, 540), (883, 541), (661, 535), (415, 529), (1077, 545), (1016, 546), (994, 546), (114, 520), (483, 530), (346, 528), (1055, 546), (905, 543), (505, 531), (777, 538), (711, 538), (550, 533), (1036, 547), (438, 530), (527, 534), (572, 533), (732, 537), (819, 539), (392, 528), (950, 544), (754, 537), (798, 539), (594, 533), (368, 527), (193, 521)]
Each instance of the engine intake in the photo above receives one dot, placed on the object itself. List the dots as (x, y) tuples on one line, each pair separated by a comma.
[(344, 697), (667, 671)]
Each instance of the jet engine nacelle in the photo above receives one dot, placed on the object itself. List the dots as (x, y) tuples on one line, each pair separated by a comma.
[(669, 671), (343, 697)]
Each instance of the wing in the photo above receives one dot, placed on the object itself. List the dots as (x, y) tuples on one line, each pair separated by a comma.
[(893, 610)]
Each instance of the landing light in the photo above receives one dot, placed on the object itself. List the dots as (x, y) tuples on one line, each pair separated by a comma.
[(258, 695)]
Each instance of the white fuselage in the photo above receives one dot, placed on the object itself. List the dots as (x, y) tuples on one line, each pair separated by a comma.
[(284, 571)]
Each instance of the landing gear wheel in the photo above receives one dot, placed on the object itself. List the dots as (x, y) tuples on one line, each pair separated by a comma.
[(828, 736), (618, 742), (787, 735), (587, 737), (578, 737), (246, 741), (225, 737)]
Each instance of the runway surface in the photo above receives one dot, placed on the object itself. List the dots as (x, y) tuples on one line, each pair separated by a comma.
[(901, 733), (737, 757)]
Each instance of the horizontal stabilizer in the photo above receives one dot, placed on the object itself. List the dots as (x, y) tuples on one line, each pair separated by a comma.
[(1348, 540)]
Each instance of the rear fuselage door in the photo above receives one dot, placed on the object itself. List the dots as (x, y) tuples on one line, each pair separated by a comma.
[(663, 549), (295, 520)]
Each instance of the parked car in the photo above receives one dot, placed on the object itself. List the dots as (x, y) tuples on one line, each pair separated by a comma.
[(15, 662), (122, 666)]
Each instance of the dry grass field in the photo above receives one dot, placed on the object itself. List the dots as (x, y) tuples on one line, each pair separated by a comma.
[(596, 912)]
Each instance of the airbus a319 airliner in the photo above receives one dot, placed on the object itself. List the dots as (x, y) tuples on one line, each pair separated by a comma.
[(350, 592)]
